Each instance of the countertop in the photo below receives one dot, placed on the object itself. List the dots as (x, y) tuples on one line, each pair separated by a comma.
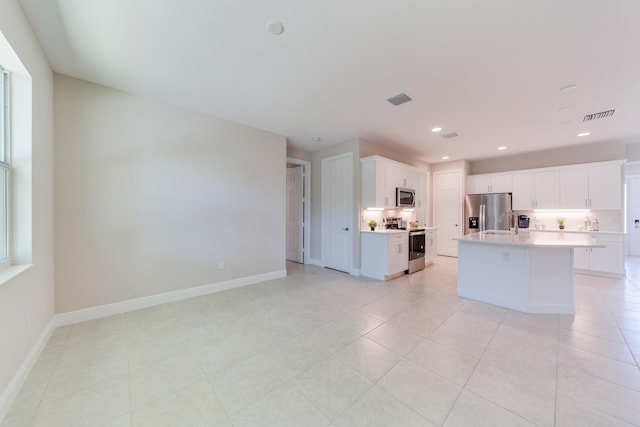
[(394, 231), (574, 230), (548, 239)]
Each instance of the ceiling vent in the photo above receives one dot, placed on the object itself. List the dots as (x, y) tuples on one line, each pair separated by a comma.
[(401, 98), (600, 115), (450, 135)]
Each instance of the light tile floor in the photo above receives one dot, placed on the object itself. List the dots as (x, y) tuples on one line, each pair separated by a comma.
[(321, 348)]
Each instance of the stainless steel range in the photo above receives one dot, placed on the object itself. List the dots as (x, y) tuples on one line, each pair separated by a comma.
[(417, 243)]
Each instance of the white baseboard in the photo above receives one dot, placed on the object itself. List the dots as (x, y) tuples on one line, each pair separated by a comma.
[(16, 383), (144, 302)]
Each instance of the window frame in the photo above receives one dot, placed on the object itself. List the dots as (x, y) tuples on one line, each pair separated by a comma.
[(5, 167)]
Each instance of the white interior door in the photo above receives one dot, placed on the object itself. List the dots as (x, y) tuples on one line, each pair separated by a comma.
[(633, 225), (337, 211), (448, 210), (295, 214)]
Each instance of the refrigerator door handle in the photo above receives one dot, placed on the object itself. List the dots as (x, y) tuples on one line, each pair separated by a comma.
[(482, 214)]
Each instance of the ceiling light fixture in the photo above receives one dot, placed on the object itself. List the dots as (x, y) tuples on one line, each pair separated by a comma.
[(584, 134), (568, 88), (275, 27), (316, 139), (566, 123), (502, 148), (436, 129), (565, 108), (445, 158)]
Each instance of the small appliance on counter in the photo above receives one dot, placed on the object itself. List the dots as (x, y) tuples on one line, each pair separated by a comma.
[(394, 223), (523, 221)]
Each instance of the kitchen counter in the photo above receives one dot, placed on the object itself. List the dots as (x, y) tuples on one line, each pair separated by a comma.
[(530, 271), (526, 238), (574, 231), (383, 231)]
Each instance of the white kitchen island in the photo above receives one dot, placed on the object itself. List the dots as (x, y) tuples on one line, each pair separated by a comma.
[(530, 272)]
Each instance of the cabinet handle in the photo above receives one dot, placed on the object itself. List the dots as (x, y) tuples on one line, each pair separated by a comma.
[(586, 203), (386, 200)]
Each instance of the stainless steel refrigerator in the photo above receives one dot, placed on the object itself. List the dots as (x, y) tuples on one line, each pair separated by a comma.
[(488, 212)]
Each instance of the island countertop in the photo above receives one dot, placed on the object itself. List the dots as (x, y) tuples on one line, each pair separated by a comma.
[(525, 238)]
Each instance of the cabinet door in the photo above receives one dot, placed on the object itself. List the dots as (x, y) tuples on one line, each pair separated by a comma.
[(522, 199), (501, 183), (391, 175), (478, 184), (546, 190), (421, 199), (398, 253), (608, 259), (605, 187), (574, 188)]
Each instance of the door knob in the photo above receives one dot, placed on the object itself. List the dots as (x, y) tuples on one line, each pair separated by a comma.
[(346, 229)]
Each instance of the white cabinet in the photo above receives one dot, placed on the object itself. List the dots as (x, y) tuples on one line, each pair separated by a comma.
[(421, 199), (489, 183), (536, 190), (384, 255), (593, 187), (607, 261), (430, 246), (377, 190), (605, 187), (380, 178)]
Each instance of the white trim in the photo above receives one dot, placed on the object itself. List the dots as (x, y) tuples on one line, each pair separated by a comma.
[(11, 392), (316, 261), (144, 302)]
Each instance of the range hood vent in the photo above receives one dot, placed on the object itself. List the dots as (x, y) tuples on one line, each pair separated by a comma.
[(450, 135), (600, 115)]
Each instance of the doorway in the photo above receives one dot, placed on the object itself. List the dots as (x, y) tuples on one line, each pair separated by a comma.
[(447, 187), (298, 210)]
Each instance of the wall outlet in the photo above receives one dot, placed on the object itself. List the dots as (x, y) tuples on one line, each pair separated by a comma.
[(221, 265)]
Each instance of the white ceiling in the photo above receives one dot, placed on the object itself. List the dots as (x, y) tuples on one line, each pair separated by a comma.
[(490, 70)]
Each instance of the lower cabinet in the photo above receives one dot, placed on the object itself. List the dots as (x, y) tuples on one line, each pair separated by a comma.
[(430, 246), (607, 261), (384, 255)]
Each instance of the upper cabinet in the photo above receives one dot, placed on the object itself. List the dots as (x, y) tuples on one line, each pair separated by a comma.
[(597, 187), (381, 177), (536, 190), (489, 183)]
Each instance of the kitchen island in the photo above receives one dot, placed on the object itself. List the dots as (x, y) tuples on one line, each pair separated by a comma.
[(530, 272)]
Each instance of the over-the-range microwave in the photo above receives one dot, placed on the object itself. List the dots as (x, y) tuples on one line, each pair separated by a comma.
[(405, 198)]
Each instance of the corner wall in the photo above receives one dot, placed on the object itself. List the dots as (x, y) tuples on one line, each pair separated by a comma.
[(27, 301), (151, 198)]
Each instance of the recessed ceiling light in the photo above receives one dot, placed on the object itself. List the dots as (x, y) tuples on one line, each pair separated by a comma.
[(502, 148), (568, 88), (584, 134), (445, 158), (275, 27), (436, 129), (565, 108), (316, 139), (566, 122)]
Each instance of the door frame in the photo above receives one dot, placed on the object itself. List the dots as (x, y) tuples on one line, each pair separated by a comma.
[(461, 190), (627, 217), (306, 203)]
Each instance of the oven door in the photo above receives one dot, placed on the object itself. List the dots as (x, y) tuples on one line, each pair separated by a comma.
[(417, 244)]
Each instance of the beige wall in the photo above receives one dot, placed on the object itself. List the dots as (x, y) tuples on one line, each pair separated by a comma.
[(150, 198), (587, 153), (296, 153), (632, 152), (31, 294), (402, 155)]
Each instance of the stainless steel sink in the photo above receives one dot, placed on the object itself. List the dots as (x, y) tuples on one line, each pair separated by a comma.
[(499, 232)]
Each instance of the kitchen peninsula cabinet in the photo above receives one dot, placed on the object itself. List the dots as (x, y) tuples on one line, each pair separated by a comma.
[(385, 254), (607, 261)]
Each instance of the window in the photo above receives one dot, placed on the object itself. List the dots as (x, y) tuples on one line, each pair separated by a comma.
[(5, 165)]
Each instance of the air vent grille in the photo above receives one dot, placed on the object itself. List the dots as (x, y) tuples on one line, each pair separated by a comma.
[(450, 135), (400, 98), (600, 115)]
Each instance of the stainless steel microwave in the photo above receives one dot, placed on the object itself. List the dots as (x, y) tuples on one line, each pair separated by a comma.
[(405, 198)]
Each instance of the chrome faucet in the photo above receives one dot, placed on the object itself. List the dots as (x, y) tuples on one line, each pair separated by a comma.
[(515, 221)]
